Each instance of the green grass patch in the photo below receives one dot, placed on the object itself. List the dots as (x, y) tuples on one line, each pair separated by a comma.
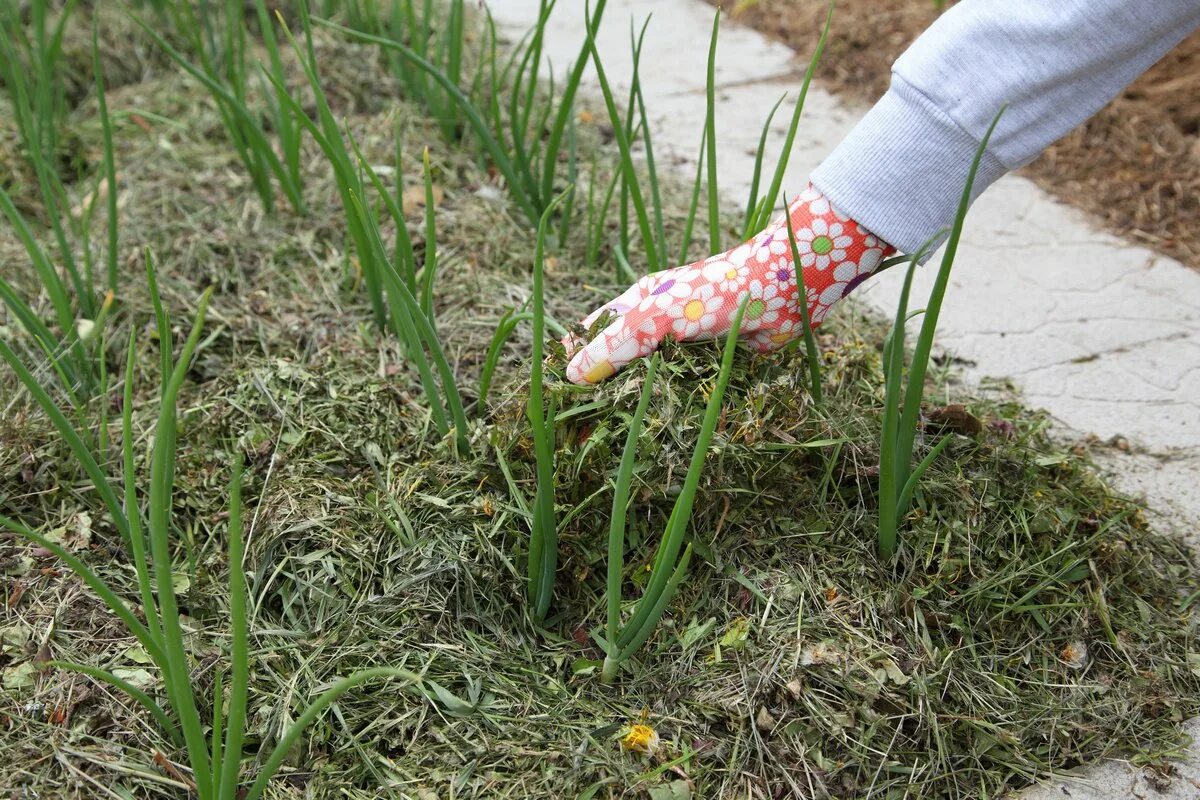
[(1032, 619)]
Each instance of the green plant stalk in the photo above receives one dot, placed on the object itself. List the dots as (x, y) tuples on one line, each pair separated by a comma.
[(246, 123), (503, 79), (811, 351), (523, 98), (284, 123), (406, 318), (521, 156), (217, 730), (542, 122), (137, 537), (710, 130), (530, 98), (418, 330), (402, 315), (924, 347), (651, 171), (543, 539), (568, 211), (504, 330), (306, 718), (403, 253), (752, 202), (328, 136), (690, 222), (888, 479), (566, 105), (454, 43), (229, 766), (631, 130), (405, 256), (56, 290), (429, 272), (790, 140), (628, 173), (110, 169), (162, 478), (37, 104), (43, 338), (596, 228), (499, 158), (617, 521), (650, 607), (901, 416), (660, 606)]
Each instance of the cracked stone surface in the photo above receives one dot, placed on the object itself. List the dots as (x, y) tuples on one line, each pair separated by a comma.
[(1103, 334)]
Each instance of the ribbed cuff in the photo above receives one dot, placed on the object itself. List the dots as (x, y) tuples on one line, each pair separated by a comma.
[(901, 171)]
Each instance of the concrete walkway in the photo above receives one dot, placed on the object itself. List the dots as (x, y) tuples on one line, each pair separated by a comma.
[(1102, 334)]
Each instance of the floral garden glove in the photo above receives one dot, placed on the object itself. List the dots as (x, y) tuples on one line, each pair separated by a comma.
[(698, 301)]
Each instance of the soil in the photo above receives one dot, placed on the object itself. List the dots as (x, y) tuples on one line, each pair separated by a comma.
[(1135, 166)]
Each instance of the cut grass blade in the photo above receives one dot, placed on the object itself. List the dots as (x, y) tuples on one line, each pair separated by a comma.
[(137, 695)]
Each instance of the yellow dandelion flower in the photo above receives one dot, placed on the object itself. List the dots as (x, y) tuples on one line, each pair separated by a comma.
[(640, 739)]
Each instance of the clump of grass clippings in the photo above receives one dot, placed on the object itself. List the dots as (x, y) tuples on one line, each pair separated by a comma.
[(955, 658), (1027, 597), (215, 757)]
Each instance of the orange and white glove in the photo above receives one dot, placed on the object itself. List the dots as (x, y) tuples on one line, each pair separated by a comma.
[(698, 301)]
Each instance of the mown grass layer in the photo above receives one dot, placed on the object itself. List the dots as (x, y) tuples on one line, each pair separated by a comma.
[(1032, 621)]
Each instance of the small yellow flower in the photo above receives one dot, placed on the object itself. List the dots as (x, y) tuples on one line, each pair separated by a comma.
[(640, 739)]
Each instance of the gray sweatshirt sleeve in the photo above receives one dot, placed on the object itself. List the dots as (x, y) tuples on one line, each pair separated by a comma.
[(901, 171)]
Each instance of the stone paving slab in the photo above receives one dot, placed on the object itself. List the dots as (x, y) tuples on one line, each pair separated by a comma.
[(1103, 334)]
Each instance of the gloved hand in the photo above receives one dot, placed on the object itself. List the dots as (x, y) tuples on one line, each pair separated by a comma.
[(698, 301)]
